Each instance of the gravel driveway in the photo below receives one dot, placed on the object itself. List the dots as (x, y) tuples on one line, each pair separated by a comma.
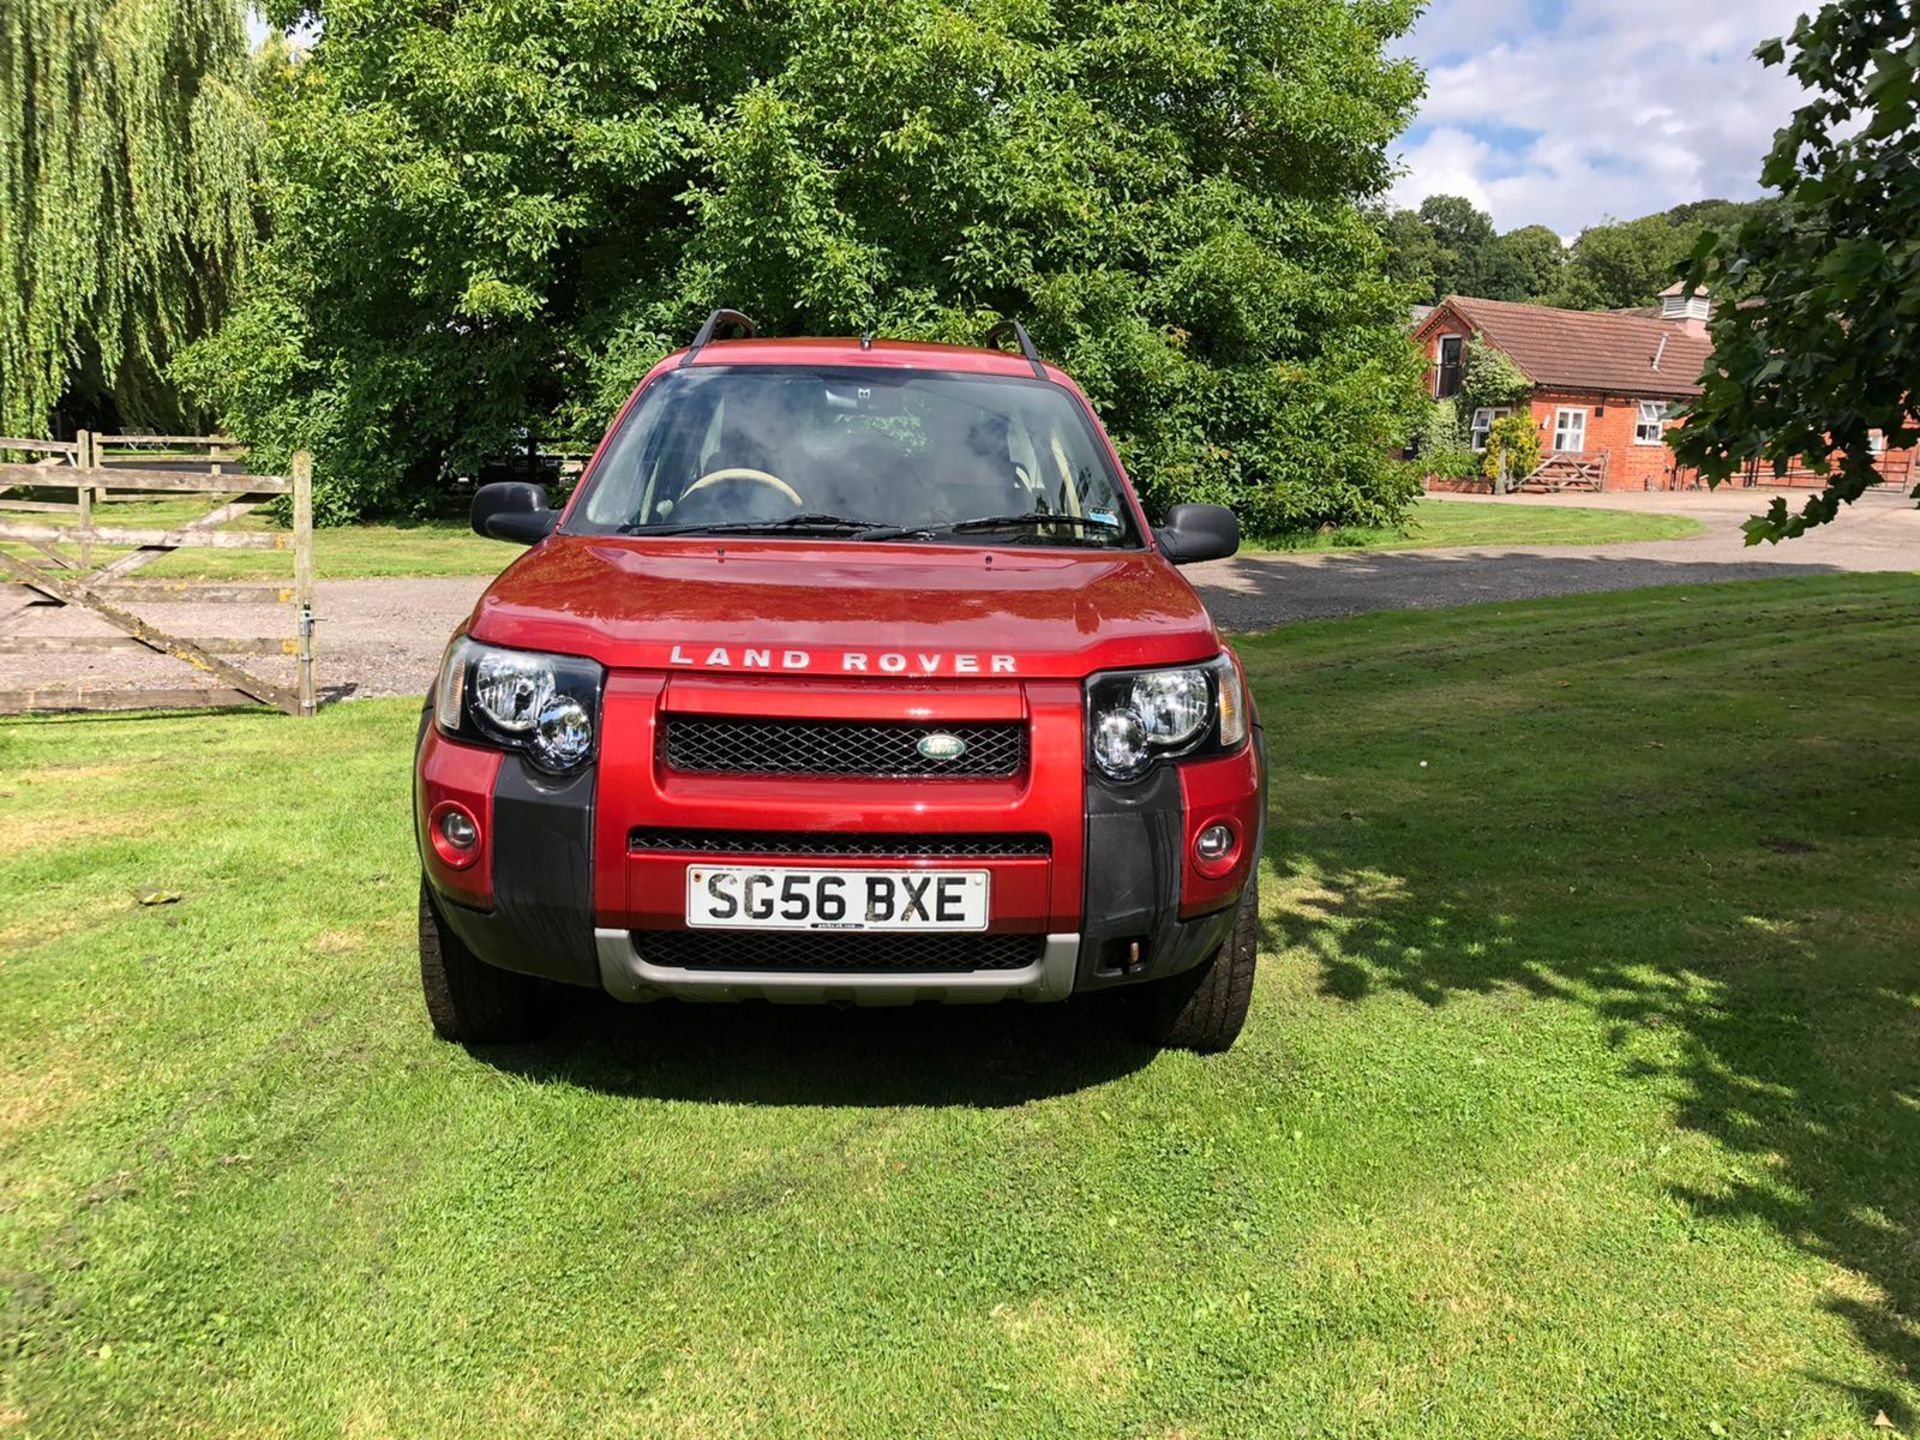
[(1256, 591), (384, 637)]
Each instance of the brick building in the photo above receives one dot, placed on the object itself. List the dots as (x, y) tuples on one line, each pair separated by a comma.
[(1606, 386)]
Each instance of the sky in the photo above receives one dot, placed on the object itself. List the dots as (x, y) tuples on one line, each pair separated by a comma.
[(1567, 112)]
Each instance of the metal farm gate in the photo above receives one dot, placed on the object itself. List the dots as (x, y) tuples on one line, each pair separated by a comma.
[(50, 526)]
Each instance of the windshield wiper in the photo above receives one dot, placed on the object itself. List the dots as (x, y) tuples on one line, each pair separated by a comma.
[(1032, 520), (808, 524)]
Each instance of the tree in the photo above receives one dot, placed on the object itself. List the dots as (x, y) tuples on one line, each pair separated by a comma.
[(491, 214), (1448, 247), (1719, 214), (128, 157), (1619, 264), (1527, 263), (1461, 234), (1828, 349), (1413, 255)]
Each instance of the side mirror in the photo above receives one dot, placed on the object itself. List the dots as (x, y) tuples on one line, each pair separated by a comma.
[(513, 510), (1199, 532)]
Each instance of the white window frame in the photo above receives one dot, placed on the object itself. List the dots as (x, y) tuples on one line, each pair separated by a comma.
[(1876, 442), (1477, 433), (1560, 427), (1653, 415)]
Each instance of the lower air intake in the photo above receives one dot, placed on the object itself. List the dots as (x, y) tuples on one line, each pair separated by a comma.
[(815, 952)]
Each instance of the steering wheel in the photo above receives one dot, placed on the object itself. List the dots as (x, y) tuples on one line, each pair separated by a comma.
[(741, 472)]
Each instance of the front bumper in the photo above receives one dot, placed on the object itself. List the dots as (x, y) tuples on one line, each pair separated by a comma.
[(627, 975), (563, 883)]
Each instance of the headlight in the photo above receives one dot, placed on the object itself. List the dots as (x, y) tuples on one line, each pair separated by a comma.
[(545, 706), (1135, 715)]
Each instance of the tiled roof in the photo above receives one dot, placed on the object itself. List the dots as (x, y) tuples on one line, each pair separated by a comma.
[(1591, 350)]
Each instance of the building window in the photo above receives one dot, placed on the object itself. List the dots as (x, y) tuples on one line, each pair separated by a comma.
[(1483, 419), (1569, 431), (1876, 442), (1652, 426), (1446, 379)]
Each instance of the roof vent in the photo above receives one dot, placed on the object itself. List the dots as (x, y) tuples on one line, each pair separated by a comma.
[(1679, 303)]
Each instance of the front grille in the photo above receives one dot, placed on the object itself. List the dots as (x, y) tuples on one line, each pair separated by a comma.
[(812, 844), (836, 952), (716, 745)]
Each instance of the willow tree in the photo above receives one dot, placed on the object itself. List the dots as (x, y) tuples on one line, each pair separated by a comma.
[(128, 156)]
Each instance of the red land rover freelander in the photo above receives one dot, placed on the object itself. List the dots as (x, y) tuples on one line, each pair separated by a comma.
[(851, 672)]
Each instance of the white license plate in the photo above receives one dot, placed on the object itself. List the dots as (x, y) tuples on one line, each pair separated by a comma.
[(777, 897)]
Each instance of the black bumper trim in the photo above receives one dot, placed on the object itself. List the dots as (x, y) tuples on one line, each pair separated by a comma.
[(542, 917), (1134, 862)]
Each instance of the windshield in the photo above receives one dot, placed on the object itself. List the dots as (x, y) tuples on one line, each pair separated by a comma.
[(865, 454)]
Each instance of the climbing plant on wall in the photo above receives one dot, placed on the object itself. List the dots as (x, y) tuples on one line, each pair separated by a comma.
[(1490, 379), (128, 156)]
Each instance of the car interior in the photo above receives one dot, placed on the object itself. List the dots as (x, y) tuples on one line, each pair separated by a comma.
[(760, 447)]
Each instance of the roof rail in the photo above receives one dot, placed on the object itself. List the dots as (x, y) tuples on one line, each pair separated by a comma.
[(1019, 332), (716, 319)]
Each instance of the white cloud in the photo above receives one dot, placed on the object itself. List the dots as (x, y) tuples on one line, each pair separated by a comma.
[(1611, 107)]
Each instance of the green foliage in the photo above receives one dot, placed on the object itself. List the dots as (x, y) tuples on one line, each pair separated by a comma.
[(1513, 447), (1461, 235), (1447, 247), (1525, 263), (1441, 446), (128, 156), (1413, 255), (1622, 263), (1490, 378), (491, 215), (1831, 351)]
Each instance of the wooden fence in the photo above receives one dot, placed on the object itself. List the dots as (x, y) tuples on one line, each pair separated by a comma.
[(100, 470)]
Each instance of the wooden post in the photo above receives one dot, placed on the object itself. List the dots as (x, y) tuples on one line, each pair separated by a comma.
[(92, 454), (303, 574), (84, 500)]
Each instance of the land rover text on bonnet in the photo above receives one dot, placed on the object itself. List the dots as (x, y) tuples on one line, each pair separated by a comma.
[(851, 672)]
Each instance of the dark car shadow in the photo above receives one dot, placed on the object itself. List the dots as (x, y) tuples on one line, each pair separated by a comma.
[(985, 1056)]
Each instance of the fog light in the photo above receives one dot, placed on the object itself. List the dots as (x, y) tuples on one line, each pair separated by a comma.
[(1213, 844), (455, 834), (457, 826)]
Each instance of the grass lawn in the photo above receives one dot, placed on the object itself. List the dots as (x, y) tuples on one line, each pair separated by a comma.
[(1434, 523), (449, 547), (422, 547), (1581, 1094)]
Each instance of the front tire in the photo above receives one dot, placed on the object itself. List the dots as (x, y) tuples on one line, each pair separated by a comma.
[(470, 1001), (1203, 1009)]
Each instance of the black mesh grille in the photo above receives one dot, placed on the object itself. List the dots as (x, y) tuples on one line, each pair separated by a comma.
[(717, 745), (836, 952), (815, 844)]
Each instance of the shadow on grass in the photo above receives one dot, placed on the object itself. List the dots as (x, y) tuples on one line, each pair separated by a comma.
[(1792, 1054), (1692, 817), (985, 1056)]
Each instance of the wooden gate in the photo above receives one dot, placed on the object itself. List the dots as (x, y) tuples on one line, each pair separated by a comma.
[(59, 564)]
